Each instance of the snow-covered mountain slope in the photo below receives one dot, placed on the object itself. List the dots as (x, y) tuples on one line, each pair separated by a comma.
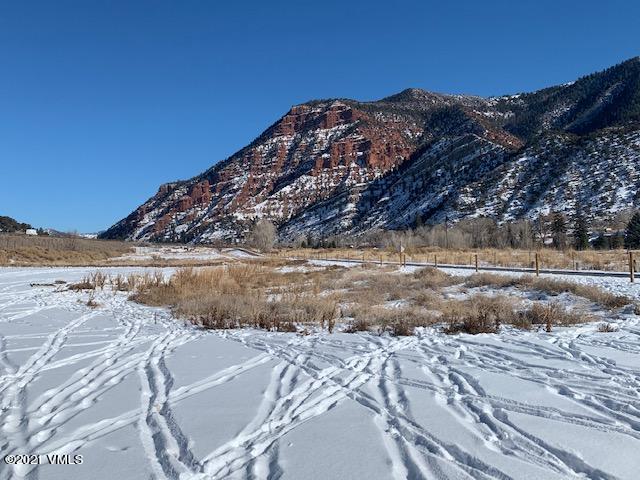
[(339, 166)]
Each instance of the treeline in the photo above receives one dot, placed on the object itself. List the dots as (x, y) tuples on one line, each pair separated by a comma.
[(553, 231), (8, 224)]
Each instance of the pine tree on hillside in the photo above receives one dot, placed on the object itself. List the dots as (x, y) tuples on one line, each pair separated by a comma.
[(580, 232), (632, 232), (559, 230)]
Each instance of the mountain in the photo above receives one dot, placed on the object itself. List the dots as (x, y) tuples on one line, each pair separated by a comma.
[(343, 166), (8, 224)]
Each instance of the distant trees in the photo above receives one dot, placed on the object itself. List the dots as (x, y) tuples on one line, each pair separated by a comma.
[(263, 235), (8, 224), (546, 230), (609, 241), (468, 233), (632, 232), (541, 228), (522, 232)]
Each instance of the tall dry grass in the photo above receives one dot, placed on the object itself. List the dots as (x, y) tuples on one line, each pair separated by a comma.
[(380, 299), (24, 250), (236, 296)]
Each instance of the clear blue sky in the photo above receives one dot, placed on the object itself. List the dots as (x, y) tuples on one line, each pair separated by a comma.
[(102, 101)]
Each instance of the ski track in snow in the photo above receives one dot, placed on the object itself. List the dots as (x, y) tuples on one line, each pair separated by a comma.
[(574, 379)]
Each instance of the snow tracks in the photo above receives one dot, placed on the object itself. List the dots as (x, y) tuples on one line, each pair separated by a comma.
[(129, 385)]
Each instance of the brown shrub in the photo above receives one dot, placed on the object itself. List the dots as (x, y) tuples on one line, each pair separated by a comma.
[(552, 314), (430, 277), (479, 314), (397, 321), (425, 298), (358, 324)]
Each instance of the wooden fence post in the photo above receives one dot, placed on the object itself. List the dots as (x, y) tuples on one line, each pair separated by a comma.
[(537, 265), (476, 262), (435, 261), (631, 272)]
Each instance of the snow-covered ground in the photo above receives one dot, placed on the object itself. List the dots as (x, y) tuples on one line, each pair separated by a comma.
[(141, 254), (141, 395)]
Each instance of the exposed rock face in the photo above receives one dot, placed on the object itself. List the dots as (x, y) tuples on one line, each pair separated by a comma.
[(344, 166)]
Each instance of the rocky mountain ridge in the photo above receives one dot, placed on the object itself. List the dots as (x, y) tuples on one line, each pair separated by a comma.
[(346, 167)]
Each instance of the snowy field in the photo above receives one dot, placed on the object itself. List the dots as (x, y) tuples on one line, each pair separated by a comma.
[(142, 254), (141, 395)]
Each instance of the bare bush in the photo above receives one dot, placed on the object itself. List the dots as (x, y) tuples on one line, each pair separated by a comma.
[(358, 325), (263, 235)]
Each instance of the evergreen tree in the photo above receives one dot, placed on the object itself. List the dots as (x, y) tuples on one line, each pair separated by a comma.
[(601, 242), (580, 233), (632, 233), (559, 230)]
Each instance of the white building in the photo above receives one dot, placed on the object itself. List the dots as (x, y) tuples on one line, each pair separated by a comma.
[(31, 231)]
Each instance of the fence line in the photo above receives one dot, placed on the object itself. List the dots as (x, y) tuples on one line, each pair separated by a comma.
[(537, 268)]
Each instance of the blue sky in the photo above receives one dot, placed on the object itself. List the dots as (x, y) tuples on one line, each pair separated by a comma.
[(102, 101)]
